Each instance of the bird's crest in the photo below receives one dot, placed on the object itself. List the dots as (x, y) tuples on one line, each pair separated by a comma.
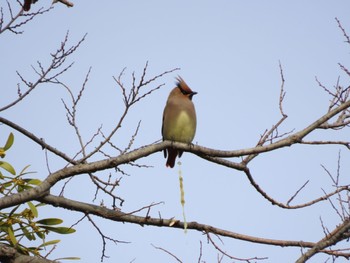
[(183, 86)]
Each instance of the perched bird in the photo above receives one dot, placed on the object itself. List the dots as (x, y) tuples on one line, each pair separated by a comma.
[(179, 119), (27, 3)]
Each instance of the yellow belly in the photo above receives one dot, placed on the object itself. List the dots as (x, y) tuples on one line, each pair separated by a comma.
[(181, 129)]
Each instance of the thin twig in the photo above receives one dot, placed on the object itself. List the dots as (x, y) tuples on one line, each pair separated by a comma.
[(169, 253)]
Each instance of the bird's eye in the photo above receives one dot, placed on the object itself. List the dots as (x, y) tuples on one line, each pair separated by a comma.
[(184, 92)]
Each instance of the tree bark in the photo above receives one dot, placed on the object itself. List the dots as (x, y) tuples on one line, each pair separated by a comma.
[(11, 255)]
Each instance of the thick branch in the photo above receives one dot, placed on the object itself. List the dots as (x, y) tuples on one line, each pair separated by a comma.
[(10, 255), (331, 239), (67, 172), (53, 178), (34, 138), (116, 215), (199, 150)]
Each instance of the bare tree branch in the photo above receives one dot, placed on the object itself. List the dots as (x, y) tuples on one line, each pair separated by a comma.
[(331, 239), (343, 30), (39, 141), (58, 59), (11, 255), (232, 257), (13, 24), (116, 215), (169, 253), (337, 117), (104, 238), (145, 151)]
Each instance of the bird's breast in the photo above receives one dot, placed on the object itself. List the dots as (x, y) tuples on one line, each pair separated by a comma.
[(181, 128)]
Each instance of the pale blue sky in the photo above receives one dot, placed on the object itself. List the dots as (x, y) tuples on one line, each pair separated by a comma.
[(229, 52)]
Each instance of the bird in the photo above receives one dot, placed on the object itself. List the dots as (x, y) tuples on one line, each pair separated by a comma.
[(179, 119), (27, 4)]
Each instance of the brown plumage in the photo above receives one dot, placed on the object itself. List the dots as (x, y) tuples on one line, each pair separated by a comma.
[(27, 4), (179, 119)]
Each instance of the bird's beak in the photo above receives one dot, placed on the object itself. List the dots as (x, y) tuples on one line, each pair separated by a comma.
[(191, 95)]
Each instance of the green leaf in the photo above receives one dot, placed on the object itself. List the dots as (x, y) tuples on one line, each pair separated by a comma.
[(27, 234), (40, 204), (8, 167), (24, 187), (41, 235), (33, 209), (9, 142), (23, 250), (60, 230), (6, 185), (23, 170), (50, 221), (14, 210), (11, 236), (33, 181), (49, 243)]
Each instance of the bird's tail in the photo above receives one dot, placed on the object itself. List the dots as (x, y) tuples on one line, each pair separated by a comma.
[(26, 5), (172, 153)]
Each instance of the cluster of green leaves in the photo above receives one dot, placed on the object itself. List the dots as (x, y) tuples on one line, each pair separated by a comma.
[(21, 223)]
